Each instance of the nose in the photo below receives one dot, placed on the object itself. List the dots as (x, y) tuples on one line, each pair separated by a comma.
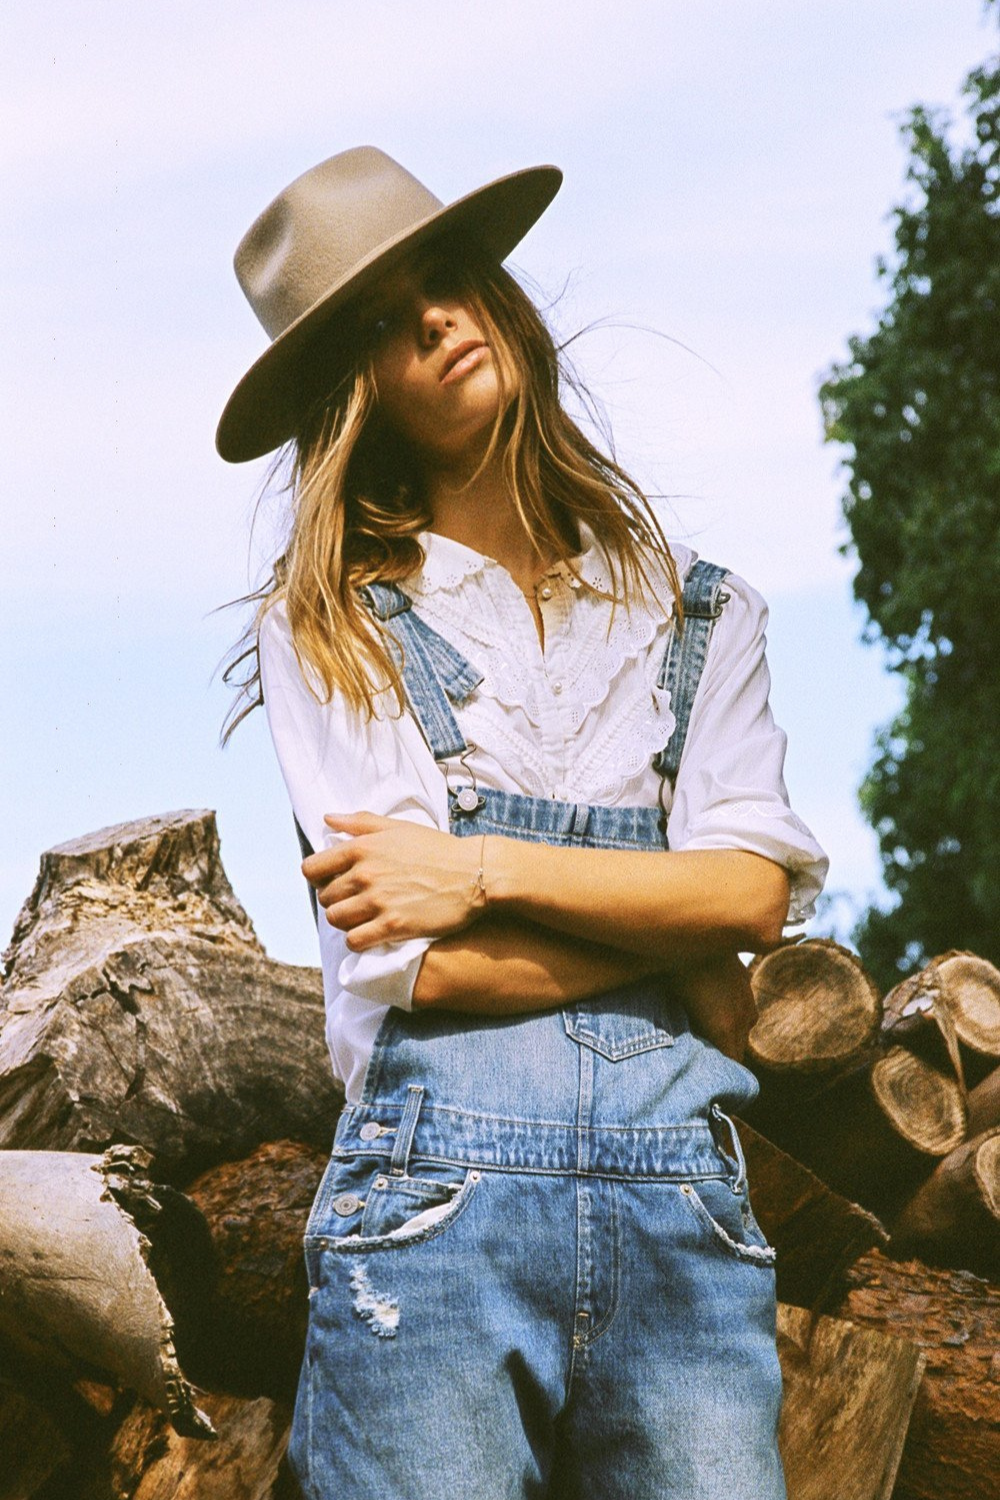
[(434, 324)]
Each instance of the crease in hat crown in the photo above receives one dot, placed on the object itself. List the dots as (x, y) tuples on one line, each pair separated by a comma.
[(322, 227), (323, 239)]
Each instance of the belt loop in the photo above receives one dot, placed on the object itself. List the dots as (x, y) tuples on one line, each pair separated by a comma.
[(404, 1135), (737, 1160)]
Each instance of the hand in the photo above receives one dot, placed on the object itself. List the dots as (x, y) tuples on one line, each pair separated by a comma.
[(718, 998), (394, 879)]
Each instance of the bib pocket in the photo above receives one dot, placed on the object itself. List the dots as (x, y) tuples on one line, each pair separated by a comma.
[(624, 1022)]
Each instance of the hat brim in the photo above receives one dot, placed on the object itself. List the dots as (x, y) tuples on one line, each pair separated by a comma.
[(267, 404)]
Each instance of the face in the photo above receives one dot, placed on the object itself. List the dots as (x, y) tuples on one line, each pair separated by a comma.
[(435, 374)]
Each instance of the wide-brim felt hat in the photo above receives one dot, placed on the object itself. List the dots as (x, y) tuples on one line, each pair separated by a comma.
[(331, 233)]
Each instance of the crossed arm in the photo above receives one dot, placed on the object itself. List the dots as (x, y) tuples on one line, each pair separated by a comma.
[(557, 924)]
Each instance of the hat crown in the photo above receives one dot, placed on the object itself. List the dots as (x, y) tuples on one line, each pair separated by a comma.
[(325, 225)]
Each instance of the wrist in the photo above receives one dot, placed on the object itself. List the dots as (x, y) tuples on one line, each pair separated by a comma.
[(500, 871)]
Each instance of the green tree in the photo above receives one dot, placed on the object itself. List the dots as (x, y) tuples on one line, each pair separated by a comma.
[(918, 403)]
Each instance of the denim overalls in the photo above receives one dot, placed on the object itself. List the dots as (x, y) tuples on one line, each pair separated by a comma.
[(534, 1269)]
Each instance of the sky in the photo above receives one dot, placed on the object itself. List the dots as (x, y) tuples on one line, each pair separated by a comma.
[(730, 170)]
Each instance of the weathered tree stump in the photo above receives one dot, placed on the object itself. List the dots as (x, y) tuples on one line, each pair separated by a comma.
[(952, 1449), (138, 1006), (77, 1289), (848, 1394)]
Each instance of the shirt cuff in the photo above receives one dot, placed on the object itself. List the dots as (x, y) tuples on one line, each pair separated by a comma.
[(385, 975)]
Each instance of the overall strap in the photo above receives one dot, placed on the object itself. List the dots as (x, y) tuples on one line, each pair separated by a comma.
[(684, 661), (435, 674), (307, 849)]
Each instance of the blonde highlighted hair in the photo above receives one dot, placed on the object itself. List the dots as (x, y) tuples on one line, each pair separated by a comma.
[(358, 502)]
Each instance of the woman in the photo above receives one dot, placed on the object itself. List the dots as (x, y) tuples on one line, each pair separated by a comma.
[(496, 693)]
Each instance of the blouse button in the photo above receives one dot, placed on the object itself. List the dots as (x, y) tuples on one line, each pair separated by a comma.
[(546, 592), (557, 687)]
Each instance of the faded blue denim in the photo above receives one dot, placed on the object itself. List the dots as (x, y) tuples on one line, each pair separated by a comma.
[(533, 1264)]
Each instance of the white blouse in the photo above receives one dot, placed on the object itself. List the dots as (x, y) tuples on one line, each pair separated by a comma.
[(578, 718)]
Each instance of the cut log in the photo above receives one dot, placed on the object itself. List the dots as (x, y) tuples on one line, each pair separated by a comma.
[(256, 1210), (815, 1231), (818, 1010), (958, 991), (984, 1104), (839, 1131), (139, 1006), (848, 1394), (954, 1218), (952, 1449), (924, 1102), (77, 1290)]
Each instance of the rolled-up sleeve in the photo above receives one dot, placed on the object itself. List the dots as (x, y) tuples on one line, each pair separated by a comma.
[(333, 761), (730, 791)]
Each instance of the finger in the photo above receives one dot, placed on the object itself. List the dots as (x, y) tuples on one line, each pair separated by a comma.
[(356, 822), (328, 864), (351, 913), (368, 935)]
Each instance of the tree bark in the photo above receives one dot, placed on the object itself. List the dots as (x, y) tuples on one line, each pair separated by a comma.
[(952, 1449)]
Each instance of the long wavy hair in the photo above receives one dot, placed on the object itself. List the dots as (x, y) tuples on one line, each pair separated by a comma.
[(358, 501)]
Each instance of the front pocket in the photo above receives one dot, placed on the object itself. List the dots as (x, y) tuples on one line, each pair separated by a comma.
[(728, 1217), (400, 1205), (624, 1022), (372, 1210)]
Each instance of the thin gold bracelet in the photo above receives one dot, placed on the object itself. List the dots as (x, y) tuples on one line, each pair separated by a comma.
[(479, 889)]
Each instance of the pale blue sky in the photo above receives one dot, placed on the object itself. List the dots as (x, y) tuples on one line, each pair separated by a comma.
[(730, 168)]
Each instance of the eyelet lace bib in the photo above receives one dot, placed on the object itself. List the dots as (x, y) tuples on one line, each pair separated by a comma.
[(579, 719)]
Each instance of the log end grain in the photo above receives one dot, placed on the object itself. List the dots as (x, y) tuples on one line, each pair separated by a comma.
[(817, 1007), (922, 1101)]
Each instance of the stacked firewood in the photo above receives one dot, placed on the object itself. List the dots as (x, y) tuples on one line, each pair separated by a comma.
[(166, 1112), (893, 1102)]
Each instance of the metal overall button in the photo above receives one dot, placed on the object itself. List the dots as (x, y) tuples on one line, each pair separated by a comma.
[(370, 1130), (346, 1204)]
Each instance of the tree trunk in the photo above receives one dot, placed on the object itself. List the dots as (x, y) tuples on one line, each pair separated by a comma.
[(923, 1102), (815, 1231), (984, 1104), (961, 992)]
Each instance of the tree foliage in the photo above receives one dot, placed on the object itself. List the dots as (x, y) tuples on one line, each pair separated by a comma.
[(918, 403)]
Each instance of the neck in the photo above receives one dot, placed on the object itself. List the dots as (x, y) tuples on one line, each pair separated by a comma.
[(471, 503)]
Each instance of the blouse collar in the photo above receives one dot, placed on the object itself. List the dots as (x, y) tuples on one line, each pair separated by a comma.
[(448, 563)]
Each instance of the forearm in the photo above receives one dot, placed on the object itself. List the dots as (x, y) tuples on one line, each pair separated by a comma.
[(673, 907), (506, 965)]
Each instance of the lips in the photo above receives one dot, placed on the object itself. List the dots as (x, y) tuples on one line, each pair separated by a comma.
[(459, 354)]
